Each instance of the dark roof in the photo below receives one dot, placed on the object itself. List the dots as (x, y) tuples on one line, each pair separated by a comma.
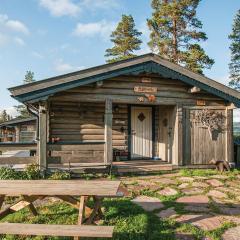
[(149, 63), (15, 121)]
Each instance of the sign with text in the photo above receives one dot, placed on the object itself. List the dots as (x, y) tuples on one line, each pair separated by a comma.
[(143, 89)]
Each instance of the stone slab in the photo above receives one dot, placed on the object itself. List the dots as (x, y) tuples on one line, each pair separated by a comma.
[(167, 213), (196, 199), (203, 221), (167, 191), (217, 194), (232, 234), (149, 204), (214, 182), (192, 191)]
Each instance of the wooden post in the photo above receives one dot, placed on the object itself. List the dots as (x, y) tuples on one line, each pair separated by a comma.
[(229, 136), (179, 135), (42, 142), (17, 134), (108, 152)]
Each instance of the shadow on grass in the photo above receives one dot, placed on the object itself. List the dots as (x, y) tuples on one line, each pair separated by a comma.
[(131, 221)]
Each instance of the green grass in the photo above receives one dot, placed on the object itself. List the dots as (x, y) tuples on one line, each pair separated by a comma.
[(130, 221)]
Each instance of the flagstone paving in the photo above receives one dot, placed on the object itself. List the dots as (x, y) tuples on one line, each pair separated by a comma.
[(186, 179), (196, 199), (167, 191), (167, 213), (183, 185), (203, 202), (217, 194), (149, 204), (215, 182), (232, 234), (203, 221), (192, 191)]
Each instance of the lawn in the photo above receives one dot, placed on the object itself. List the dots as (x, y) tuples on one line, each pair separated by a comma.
[(134, 222)]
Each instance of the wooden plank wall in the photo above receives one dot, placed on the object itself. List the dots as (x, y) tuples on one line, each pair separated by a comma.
[(165, 133), (120, 89), (78, 114), (200, 146)]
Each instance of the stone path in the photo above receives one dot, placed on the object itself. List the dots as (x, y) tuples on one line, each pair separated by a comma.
[(232, 234), (205, 202), (148, 203)]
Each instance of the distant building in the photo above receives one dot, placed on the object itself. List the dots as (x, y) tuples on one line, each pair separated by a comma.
[(18, 130)]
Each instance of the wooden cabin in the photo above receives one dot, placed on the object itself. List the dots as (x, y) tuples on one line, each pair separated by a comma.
[(144, 108), (18, 130)]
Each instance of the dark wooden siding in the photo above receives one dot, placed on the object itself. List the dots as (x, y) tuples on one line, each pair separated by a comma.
[(200, 146)]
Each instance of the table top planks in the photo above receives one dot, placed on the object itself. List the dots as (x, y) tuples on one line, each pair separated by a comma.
[(59, 187)]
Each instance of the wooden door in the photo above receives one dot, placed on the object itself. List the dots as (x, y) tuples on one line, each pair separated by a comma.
[(200, 146), (141, 127)]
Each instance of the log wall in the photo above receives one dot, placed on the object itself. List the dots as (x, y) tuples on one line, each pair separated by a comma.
[(78, 115)]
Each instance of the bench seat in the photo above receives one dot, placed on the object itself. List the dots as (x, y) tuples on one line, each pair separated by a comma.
[(56, 230)]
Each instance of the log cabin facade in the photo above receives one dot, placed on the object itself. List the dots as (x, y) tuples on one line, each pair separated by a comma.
[(141, 108), (18, 130)]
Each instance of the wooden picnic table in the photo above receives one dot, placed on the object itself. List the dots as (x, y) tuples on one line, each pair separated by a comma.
[(66, 190)]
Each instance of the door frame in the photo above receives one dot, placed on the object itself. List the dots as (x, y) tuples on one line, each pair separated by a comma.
[(130, 129)]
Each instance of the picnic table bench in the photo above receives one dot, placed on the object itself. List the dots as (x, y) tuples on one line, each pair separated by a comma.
[(66, 190)]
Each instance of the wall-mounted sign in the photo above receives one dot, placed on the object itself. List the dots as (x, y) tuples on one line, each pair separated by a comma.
[(140, 99), (120, 122), (146, 80), (201, 102), (143, 89)]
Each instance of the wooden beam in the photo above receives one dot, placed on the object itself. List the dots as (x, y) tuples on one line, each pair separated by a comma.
[(229, 136), (42, 143), (194, 90), (180, 134), (108, 153)]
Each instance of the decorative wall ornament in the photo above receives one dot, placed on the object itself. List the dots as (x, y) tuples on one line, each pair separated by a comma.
[(212, 120), (151, 98), (141, 117)]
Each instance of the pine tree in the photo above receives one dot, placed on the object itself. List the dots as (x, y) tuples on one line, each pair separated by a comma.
[(126, 40), (234, 65), (4, 117), (175, 33), (21, 109), (29, 77)]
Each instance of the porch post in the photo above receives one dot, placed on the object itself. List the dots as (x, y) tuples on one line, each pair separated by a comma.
[(42, 142), (179, 135), (229, 136), (108, 132), (17, 134)]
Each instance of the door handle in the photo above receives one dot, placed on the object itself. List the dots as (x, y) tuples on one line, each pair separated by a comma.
[(133, 132)]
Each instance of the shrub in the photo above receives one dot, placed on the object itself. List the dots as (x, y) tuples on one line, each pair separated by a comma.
[(60, 175), (8, 173), (32, 172)]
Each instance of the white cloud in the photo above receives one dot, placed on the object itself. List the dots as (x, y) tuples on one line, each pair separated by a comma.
[(63, 67), (37, 55), (103, 28), (12, 25), (10, 29), (19, 41), (17, 26), (100, 4), (61, 7), (10, 110)]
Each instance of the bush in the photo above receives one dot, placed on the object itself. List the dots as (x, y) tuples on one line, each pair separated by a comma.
[(32, 172), (8, 173), (60, 175)]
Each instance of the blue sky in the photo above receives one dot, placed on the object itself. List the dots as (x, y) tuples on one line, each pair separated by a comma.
[(51, 37)]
